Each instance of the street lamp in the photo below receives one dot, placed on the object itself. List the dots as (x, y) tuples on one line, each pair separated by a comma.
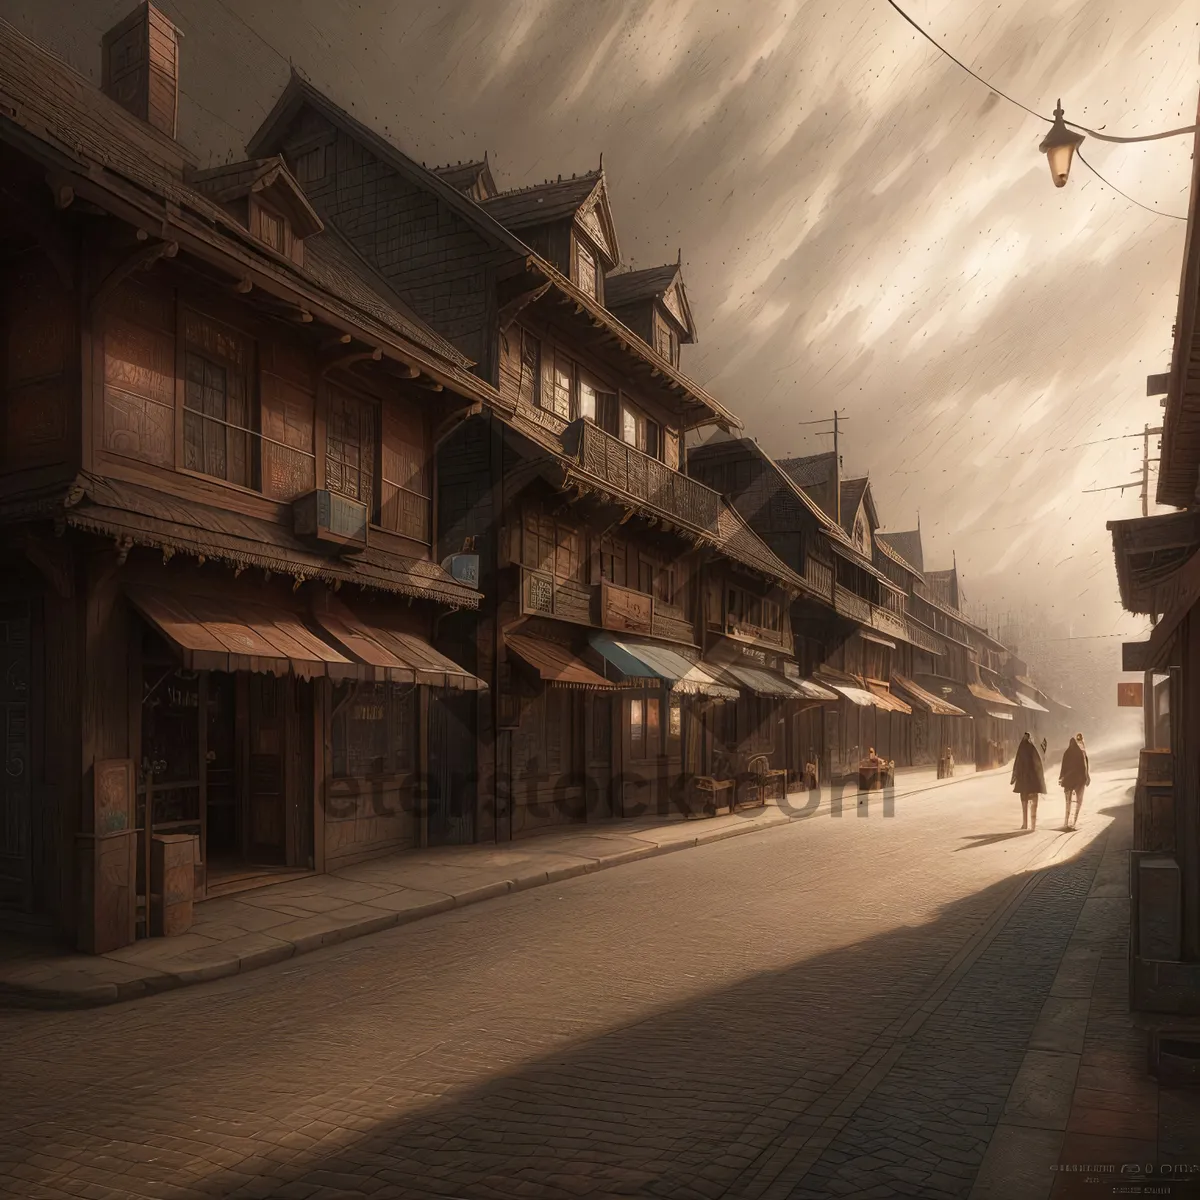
[(1059, 146), (1060, 143)]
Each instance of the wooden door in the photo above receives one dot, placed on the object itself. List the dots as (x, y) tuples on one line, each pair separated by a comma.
[(451, 793), (598, 756), (266, 818), (16, 857)]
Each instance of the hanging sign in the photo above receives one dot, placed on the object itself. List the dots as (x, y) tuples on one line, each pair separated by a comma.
[(1129, 695)]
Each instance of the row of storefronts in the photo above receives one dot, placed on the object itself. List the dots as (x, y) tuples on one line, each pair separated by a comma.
[(316, 545)]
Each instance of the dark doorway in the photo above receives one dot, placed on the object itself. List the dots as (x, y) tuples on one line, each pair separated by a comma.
[(452, 779)]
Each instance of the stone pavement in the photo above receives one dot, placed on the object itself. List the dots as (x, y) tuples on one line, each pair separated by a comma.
[(835, 1007), (1083, 1096), (251, 929)]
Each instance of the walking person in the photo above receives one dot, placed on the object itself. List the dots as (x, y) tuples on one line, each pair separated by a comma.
[(1074, 777), (1028, 780)]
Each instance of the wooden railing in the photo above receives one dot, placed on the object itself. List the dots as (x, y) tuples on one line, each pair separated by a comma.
[(754, 633), (850, 604), (819, 575), (603, 605), (626, 470)]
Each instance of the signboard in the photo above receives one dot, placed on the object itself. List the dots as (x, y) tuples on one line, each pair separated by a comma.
[(1129, 695), (1135, 656), (625, 610)]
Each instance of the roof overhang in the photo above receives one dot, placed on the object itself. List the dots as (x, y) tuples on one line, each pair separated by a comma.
[(1149, 553)]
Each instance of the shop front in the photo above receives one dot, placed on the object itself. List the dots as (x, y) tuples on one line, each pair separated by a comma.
[(942, 733), (672, 724), (280, 737)]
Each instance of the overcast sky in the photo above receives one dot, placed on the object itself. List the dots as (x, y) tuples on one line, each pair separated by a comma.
[(862, 225)]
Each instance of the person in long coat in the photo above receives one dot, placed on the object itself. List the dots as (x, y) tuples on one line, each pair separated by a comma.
[(1028, 780), (1074, 777)]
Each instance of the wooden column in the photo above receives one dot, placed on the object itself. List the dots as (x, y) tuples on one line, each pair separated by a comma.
[(422, 797)]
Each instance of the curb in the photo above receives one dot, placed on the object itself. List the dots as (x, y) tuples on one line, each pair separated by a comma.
[(97, 995)]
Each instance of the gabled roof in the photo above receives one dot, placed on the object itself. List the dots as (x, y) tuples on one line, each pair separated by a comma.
[(893, 555), (856, 492), (268, 139), (269, 176), (299, 93), (121, 164), (906, 544), (623, 289), (582, 198), (473, 179), (809, 471)]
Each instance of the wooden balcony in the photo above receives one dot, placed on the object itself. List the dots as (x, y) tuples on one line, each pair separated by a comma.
[(603, 605), (759, 634), (888, 623), (850, 604), (820, 576), (627, 472)]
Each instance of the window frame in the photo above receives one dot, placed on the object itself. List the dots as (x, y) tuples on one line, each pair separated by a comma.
[(401, 758)]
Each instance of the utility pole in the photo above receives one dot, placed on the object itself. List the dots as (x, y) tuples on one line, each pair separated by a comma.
[(837, 471)]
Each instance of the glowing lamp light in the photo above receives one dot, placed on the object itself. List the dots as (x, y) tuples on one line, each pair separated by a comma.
[(1059, 146)]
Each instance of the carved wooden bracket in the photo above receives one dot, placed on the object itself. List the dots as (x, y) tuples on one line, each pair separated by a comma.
[(508, 314), (452, 422), (140, 260), (335, 361)]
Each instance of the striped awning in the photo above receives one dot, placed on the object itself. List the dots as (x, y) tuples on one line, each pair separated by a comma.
[(555, 665), (763, 682), (237, 633), (389, 655), (644, 660), (1000, 716)]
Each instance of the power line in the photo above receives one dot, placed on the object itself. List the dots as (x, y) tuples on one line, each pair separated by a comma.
[(1104, 137), (1158, 212)]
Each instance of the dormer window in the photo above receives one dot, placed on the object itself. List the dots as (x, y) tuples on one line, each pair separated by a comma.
[(666, 341), (585, 269), (272, 229)]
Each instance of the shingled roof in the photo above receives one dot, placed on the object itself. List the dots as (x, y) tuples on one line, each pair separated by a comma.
[(852, 493), (124, 165), (232, 181), (554, 200), (473, 179), (622, 289), (907, 544)]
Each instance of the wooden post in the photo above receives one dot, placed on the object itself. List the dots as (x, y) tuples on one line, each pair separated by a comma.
[(423, 773)]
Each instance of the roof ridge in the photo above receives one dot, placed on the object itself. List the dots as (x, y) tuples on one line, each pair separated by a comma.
[(533, 187)]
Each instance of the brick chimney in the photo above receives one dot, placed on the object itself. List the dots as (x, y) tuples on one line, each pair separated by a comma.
[(141, 67)]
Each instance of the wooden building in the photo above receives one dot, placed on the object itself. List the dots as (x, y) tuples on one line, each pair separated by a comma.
[(598, 553), (1158, 569), (852, 631), (218, 515)]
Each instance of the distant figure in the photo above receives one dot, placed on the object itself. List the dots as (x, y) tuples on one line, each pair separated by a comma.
[(1028, 780), (1074, 777)]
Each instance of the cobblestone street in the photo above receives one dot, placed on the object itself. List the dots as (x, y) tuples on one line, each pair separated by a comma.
[(838, 1007)]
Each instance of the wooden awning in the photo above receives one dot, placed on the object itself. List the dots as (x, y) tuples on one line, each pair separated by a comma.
[(652, 662), (555, 665), (232, 633), (926, 700), (885, 700), (389, 655)]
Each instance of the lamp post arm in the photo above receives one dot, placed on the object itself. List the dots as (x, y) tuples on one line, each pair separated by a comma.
[(1147, 137)]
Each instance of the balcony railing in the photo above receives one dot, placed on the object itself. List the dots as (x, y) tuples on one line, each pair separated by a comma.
[(744, 631), (848, 604), (888, 622), (820, 576), (603, 605), (627, 471)]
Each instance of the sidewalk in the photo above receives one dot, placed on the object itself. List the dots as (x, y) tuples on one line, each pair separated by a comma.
[(266, 925), (1084, 1104)]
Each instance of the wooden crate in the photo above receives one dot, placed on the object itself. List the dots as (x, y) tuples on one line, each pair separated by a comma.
[(172, 882)]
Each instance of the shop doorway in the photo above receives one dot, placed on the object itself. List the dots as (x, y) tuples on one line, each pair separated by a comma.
[(227, 758)]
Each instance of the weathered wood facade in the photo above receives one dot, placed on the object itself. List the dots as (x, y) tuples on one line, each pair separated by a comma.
[(217, 518)]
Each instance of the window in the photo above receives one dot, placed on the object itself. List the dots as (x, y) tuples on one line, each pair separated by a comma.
[(374, 729), (596, 404), (665, 342), (585, 269), (639, 431), (613, 559), (557, 376), (675, 719), (271, 229), (405, 502), (664, 585), (218, 437), (552, 546), (587, 398), (770, 615), (309, 165), (644, 731), (350, 447), (646, 576)]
